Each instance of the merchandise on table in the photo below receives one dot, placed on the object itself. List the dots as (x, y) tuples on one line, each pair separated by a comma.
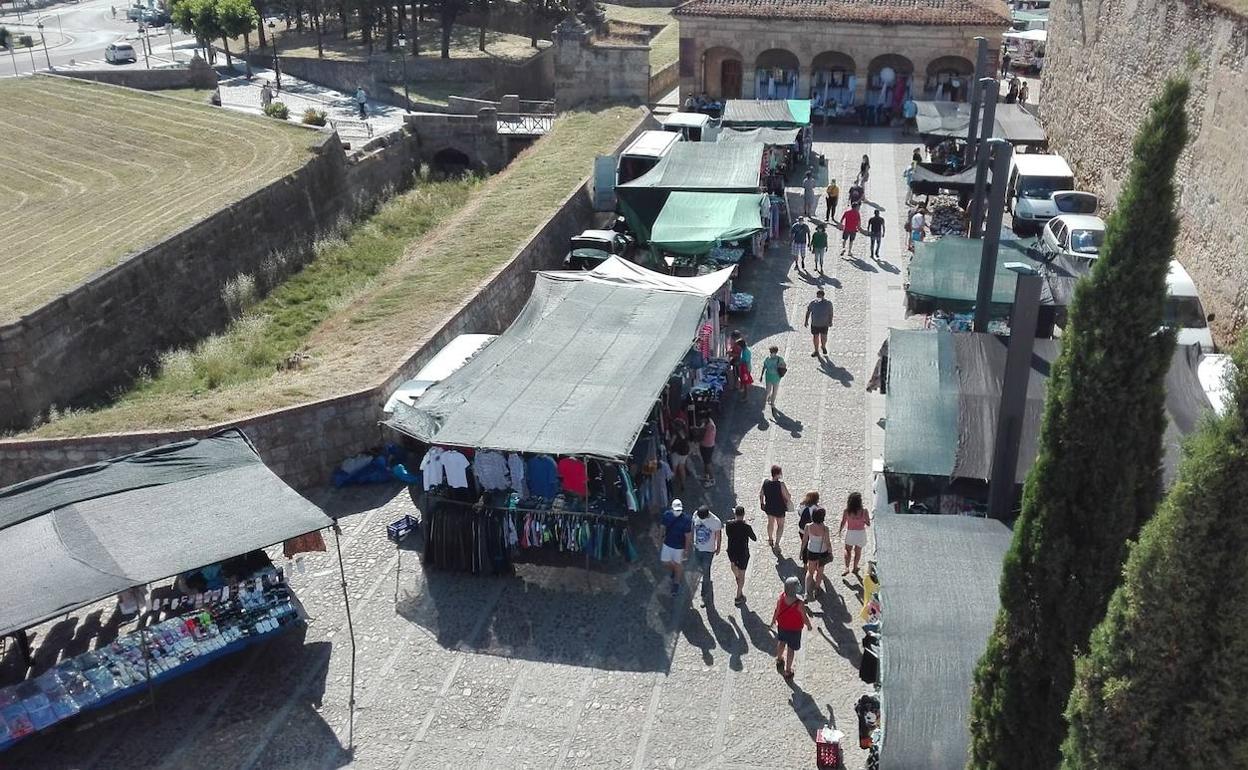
[(741, 302), (263, 605)]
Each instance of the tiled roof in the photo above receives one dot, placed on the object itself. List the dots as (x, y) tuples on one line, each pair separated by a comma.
[(920, 12)]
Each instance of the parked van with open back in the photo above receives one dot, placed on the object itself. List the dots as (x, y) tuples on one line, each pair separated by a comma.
[(644, 154)]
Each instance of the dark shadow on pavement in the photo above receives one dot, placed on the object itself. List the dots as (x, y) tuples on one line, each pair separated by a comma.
[(806, 709), (758, 629), (836, 627), (783, 421), (888, 267), (838, 373), (861, 264)]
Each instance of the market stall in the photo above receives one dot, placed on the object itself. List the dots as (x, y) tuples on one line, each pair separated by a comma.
[(1026, 49), (766, 113), (691, 167), (713, 228), (944, 391), (938, 593), (554, 436), (952, 119), (944, 279), (199, 511)]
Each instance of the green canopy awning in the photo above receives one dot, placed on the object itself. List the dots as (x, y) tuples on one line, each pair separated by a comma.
[(946, 270), (694, 222), (921, 403), (733, 167), (768, 113)]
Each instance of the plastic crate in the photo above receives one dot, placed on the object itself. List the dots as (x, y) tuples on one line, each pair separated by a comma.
[(828, 749), (401, 529)]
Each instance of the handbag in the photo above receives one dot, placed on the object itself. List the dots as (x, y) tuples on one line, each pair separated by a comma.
[(782, 370)]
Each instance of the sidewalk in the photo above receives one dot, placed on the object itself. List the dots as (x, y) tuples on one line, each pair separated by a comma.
[(239, 93)]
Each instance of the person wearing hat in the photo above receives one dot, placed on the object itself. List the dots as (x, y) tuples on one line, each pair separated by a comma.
[(788, 619), (707, 532), (677, 538)]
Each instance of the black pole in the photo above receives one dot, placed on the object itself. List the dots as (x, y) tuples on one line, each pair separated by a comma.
[(1013, 406), (44, 40), (346, 603), (988, 95), (972, 128), (407, 99), (1001, 152), (277, 66)]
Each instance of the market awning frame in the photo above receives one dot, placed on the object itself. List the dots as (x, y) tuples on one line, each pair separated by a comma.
[(694, 223), (951, 119)]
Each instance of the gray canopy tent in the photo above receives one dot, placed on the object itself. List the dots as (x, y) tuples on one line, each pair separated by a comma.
[(939, 579), (71, 538), (576, 373), (782, 137), (951, 119)]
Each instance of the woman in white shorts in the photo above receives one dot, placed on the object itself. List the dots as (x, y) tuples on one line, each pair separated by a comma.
[(854, 523)]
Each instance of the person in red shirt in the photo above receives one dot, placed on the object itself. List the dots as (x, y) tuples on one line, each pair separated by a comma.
[(789, 618), (851, 221)]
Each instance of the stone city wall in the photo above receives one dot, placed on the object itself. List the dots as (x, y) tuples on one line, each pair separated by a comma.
[(706, 42), (586, 70), (198, 75), (304, 443), (664, 80), (1105, 62), (101, 334)]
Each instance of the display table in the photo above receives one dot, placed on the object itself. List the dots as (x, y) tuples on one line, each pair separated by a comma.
[(259, 609)]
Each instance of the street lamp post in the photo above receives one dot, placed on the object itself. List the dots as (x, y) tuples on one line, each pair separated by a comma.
[(407, 100), (277, 67), (169, 30), (146, 61), (44, 40)]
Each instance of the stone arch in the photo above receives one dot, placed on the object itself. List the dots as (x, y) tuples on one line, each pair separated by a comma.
[(777, 73), (451, 161), (833, 80), (883, 92), (723, 72), (949, 79)]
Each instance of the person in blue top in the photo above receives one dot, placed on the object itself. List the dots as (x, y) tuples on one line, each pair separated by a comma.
[(677, 539)]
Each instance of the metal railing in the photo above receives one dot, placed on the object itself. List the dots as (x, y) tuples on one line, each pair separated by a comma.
[(349, 127), (524, 124), (544, 107)]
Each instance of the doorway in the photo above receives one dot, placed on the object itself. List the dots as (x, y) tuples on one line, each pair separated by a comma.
[(730, 78)]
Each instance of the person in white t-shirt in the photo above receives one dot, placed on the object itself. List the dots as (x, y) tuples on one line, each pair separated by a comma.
[(918, 223), (707, 531)]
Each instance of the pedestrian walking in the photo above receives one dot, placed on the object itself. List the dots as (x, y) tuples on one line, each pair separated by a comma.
[(819, 319), (810, 501), (819, 245), (1023, 92), (1005, 64), (113, 10), (679, 450), (266, 95), (851, 221), (816, 549), (734, 361), (677, 536), (774, 370), (707, 534), (833, 193), (1011, 95), (745, 366), (706, 447), (361, 100), (740, 533), (789, 618), (854, 523), (918, 224), (875, 229), (808, 194), (864, 172), (775, 501), (799, 235), (856, 193)]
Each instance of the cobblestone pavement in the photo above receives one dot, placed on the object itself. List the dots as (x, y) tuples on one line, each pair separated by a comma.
[(566, 667), (242, 94)]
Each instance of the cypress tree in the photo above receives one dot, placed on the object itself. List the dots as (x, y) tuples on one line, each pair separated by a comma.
[(1097, 474), (1163, 684)]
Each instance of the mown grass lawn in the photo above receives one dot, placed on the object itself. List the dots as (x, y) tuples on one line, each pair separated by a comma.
[(362, 315)]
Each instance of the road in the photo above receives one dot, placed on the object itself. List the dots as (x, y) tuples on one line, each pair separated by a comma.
[(76, 35)]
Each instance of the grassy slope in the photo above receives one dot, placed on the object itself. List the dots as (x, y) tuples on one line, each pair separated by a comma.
[(665, 46), (370, 331), (89, 173)]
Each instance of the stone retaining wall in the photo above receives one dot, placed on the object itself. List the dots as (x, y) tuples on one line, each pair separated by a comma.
[(198, 75), (1102, 69), (664, 81), (586, 70), (101, 334), (303, 444)]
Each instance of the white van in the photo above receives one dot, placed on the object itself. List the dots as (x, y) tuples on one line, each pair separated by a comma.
[(1029, 196), (692, 126), (644, 154), (1184, 311)]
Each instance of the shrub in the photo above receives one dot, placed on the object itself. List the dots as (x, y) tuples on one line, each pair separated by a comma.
[(277, 110), (25, 41), (314, 117)]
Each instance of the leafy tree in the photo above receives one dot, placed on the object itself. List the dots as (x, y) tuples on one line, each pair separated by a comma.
[(1162, 684), (1096, 479), (233, 18)]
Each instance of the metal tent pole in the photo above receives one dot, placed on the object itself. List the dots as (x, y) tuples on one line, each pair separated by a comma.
[(1013, 405), (972, 128), (988, 90), (1000, 152), (346, 602)]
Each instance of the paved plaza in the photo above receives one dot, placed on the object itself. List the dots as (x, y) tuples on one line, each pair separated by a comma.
[(567, 667)]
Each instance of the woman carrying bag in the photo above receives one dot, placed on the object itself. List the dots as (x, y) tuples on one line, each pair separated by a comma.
[(774, 370)]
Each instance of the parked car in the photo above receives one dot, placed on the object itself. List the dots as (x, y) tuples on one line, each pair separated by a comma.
[(1039, 188), (444, 363), (593, 247), (1183, 310), (117, 53), (1077, 236), (155, 17), (1215, 370), (135, 12)]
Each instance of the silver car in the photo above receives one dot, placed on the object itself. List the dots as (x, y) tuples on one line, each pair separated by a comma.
[(117, 53)]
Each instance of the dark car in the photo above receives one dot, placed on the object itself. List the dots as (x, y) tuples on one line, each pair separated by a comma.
[(593, 247)]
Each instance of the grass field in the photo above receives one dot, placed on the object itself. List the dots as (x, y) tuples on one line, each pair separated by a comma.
[(463, 44), (366, 330), (665, 46), (89, 173)]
